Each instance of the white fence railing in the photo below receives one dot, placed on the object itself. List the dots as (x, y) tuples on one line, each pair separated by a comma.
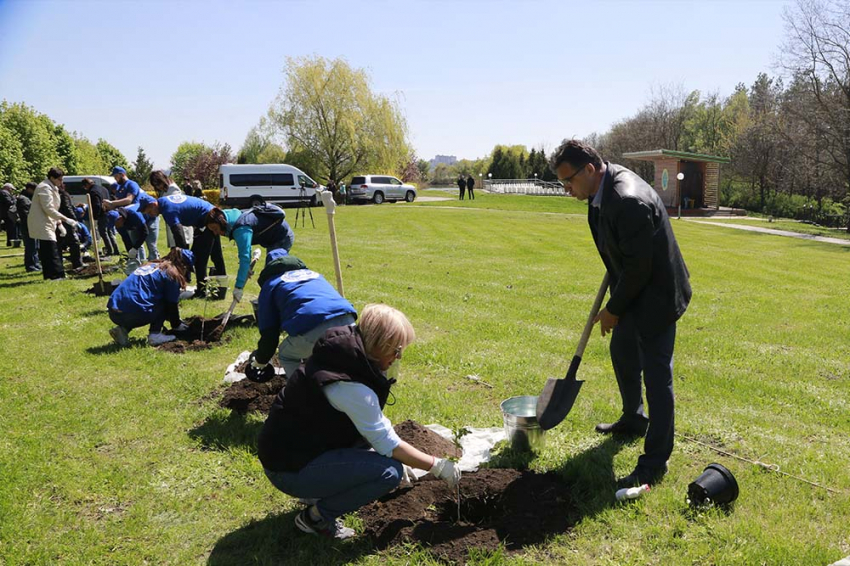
[(524, 187)]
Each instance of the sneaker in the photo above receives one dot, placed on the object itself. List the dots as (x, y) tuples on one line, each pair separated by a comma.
[(335, 529), (157, 338), (120, 335)]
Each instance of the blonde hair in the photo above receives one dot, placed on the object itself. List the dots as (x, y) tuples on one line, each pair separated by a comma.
[(385, 330)]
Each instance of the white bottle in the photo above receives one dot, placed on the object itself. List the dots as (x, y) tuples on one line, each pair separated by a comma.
[(631, 492)]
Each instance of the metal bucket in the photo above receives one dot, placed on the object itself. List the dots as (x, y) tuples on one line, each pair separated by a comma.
[(521, 427)]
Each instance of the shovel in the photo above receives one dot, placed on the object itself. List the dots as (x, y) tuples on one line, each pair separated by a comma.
[(101, 284), (559, 395), (219, 330)]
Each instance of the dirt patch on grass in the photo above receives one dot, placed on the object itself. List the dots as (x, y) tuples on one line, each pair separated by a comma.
[(246, 396), (427, 440), (203, 333), (90, 270), (100, 290), (498, 507)]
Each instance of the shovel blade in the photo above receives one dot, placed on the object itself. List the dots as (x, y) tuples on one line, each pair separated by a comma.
[(558, 397)]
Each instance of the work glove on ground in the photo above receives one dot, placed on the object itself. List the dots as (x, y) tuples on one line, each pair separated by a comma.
[(257, 372), (237, 294), (408, 475), (447, 471)]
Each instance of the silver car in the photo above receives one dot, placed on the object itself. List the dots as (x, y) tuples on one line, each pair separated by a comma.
[(379, 188)]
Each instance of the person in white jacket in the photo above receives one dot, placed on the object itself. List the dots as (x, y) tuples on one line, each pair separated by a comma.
[(165, 187), (45, 222)]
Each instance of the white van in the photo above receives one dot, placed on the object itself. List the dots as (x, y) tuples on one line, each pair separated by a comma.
[(250, 185), (74, 186)]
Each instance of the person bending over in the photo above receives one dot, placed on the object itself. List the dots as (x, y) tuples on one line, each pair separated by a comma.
[(326, 437)]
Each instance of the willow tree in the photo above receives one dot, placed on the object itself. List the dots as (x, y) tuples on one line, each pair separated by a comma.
[(327, 112)]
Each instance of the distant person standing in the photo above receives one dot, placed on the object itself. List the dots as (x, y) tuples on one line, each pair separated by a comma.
[(45, 221), (197, 190), (461, 184), (98, 194), (343, 194), (8, 212), (470, 184), (23, 204), (70, 240), (333, 190), (166, 187)]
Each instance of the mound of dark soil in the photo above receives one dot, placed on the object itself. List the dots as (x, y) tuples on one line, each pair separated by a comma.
[(99, 290), (427, 440), (246, 396), (498, 506), (203, 333)]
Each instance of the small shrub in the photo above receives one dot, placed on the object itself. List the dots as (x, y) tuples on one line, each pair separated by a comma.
[(213, 196)]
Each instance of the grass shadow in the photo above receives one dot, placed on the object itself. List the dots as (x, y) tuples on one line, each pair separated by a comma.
[(19, 283), (276, 540), (112, 347), (95, 312), (5, 276), (227, 430)]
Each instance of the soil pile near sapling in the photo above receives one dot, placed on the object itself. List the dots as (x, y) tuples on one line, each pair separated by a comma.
[(202, 333), (245, 396), (427, 440), (498, 506), (99, 290)]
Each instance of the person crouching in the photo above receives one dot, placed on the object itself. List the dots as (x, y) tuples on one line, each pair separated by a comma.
[(149, 296), (326, 437)]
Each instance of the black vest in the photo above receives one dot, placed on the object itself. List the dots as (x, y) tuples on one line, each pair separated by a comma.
[(302, 424), (266, 224)]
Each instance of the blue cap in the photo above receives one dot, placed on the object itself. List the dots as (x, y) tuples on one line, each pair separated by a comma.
[(275, 254), (117, 169), (189, 257)]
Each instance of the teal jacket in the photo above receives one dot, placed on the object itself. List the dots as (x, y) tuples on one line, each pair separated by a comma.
[(242, 236)]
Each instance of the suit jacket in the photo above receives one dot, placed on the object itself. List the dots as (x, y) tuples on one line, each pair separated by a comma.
[(634, 237), (44, 216)]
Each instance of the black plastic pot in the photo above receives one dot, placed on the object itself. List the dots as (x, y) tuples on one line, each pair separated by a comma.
[(716, 484), (217, 293)]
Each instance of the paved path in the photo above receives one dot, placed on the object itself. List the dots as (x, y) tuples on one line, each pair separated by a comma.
[(786, 233), (432, 199)]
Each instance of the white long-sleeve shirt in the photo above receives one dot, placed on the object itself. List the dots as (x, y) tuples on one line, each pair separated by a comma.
[(361, 405)]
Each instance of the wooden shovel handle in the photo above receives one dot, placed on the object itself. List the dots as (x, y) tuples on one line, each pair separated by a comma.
[(588, 327)]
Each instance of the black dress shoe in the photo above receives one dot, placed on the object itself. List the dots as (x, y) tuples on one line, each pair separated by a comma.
[(621, 428), (642, 475)]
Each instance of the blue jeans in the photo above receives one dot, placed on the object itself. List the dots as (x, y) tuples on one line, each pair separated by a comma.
[(131, 320), (296, 348), (342, 480), (150, 241), (31, 261), (635, 356)]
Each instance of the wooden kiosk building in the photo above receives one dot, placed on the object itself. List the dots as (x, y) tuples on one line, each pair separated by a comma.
[(697, 191)]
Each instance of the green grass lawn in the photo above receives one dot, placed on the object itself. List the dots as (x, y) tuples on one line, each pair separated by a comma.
[(112, 456), (786, 224)]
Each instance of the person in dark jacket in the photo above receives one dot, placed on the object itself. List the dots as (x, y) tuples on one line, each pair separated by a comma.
[(23, 204), (99, 194), (149, 296), (326, 437), (263, 225), (70, 240), (210, 222), (300, 302), (649, 292), (8, 213), (461, 185), (470, 184)]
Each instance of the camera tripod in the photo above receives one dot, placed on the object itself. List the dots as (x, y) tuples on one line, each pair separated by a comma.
[(303, 202)]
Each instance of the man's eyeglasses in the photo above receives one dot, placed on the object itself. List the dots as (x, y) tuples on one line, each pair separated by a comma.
[(569, 180)]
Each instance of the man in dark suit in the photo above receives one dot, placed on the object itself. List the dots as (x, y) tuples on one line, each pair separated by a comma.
[(649, 292)]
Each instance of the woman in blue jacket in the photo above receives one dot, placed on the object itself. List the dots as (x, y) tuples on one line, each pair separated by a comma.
[(149, 296), (300, 302), (264, 226)]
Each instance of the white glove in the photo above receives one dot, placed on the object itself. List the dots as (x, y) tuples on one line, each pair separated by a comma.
[(72, 223), (60, 229), (408, 475), (237, 294), (132, 254), (447, 471)]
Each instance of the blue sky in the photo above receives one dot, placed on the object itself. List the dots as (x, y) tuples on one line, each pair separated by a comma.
[(468, 74)]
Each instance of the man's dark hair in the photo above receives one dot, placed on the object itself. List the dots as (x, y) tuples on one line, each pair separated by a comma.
[(30, 186), (87, 182), (55, 173), (577, 154)]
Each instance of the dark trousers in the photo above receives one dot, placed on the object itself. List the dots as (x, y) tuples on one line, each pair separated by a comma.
[(107, 236), (462, 189), (72, 243), (31, 262), (633, 354), (51, 259), (471, 194), (207, 245), (11, 222), (131, 320)]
